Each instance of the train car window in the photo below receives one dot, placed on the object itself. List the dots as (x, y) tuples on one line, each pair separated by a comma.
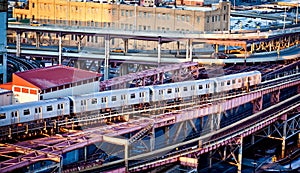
[(250, 79), (36, 110), (94, 101), (176, 90), (132, 96), (161, 92), (14, 114), (239, 80), (200, 87), (83, 102), (228, 82), (222, 83), (49, 108), (113, 98), (192, 87), (185, 89), (26, 112), (103, 99), (233, 81), (207, 86), (2, 116), (123, 97), (142, 94), (60, 106), (169, 91)]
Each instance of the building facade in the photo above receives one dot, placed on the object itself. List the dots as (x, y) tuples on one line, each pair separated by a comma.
[(3, 43), (126, 17)]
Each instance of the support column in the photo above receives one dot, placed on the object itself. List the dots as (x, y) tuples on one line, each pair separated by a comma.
[(18, 44), (37, 39), (216, 48), (283, 139), (240, 156), (106, 60), (152, 140), (187, 50), (126, 154), (59, 48), (159, 51), (79, 42), (178, 47), (191, 50), (125, 45), (85, 153), (252, 48)]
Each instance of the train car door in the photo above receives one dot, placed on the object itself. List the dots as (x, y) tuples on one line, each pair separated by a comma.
[(60, 109), (15, 117), (38, 113), (83, 105)]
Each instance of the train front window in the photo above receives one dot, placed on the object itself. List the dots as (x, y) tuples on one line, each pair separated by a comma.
[(114, 98)]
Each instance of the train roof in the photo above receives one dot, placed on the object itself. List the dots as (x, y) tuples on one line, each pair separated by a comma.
[(226, 77), (30, 104), (112, 92)]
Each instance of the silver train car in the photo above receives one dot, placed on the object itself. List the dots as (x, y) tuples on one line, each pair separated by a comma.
[(109, 99), (31, 111), (73, 105)]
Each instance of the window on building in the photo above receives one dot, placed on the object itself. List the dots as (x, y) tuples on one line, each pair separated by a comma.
[(225, 7), (224, 17), (188, 18), (122, 12), (182, 18), (130, 13), (33, 5), (178, 17), (212, 18), (207, 19), (127, 13)]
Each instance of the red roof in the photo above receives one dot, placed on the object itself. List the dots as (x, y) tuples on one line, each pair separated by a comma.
[(7, 86), (54, 76)]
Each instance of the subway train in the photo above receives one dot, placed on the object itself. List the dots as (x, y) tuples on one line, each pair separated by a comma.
[(123, 98)]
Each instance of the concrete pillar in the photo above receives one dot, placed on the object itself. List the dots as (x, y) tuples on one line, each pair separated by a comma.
[(240, 156), (124, 69), (187, 50), (152, 140), (126, 154), (107, 54), (216, 48), (85, 153), (59, 48), (252, 48), (159, 51), (125, 45), (178, 47), (37, 39), (79, 43), (191, 50), (283, 139), (18, 44)]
